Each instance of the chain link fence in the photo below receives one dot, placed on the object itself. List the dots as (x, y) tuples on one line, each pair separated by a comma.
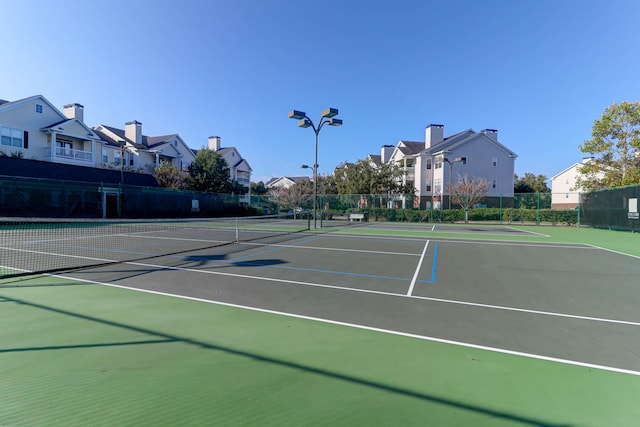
[(31, 197)]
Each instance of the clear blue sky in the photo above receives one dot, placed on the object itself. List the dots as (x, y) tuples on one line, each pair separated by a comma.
[(538, 71)]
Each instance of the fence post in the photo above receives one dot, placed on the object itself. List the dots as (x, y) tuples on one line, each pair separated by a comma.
[(579, 206)]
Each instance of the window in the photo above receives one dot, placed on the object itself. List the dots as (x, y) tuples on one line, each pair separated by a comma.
[(11, 137), (428, 164), (428, 187), (39, 108), (437, 186), (494, 184), (439, 160), (105, 155), (64, 148), (494, 162)]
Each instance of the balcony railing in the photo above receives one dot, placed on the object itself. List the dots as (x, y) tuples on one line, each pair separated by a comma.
[(410, 174), (71, 154)]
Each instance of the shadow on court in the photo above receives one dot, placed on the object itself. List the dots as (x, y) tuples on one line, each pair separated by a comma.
[(157, 337)]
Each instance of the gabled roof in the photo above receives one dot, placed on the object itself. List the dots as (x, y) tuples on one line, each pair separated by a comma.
[(13, 104), (415, 148), (409, 148), (113, 135), (575, 165), (62, 125), (376, 159), (461, 138), (293, 179), (242, 162), (156, 141)]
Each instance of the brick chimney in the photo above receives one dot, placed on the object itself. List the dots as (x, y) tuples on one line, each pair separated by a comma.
[(214, 143), (74, 111), (133, 131), (433, 135)]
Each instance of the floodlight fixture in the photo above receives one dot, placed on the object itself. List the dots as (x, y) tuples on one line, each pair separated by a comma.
[(330, 112), (295, 114), (304, 123)]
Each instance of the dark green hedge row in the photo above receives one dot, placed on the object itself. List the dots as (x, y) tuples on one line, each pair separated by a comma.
[(509, 215)]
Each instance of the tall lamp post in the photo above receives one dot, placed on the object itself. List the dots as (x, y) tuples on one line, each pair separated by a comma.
[(327, 118), (451, 162), (123, 150)]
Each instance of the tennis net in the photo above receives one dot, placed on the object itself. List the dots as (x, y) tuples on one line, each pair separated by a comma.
[(34, 245)]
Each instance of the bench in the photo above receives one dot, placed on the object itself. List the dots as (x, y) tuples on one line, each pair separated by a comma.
[(356, 217)]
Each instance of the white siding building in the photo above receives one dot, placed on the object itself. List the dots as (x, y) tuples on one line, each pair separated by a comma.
[(438, 162), (32, 128), (564, 192)]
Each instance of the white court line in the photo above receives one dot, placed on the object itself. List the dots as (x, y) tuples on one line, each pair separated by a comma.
[(417, 272), (369, 291), (373, 329), (533, 233), (615, 252)]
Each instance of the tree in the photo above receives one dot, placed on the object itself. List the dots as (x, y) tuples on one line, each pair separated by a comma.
[(258, 188), (467, 192), (209, 172), (364, 177), (615, 148), (294, 197), (169, 176), (531, 183)]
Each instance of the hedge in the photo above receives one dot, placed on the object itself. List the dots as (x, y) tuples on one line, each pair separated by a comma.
[(509, 215)]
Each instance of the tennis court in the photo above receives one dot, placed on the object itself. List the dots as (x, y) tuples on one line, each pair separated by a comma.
[(475, 325)]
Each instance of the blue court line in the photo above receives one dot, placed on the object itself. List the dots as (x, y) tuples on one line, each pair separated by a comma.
[(258, 264), (435, 261)]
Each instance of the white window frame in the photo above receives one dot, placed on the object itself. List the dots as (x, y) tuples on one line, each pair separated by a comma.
[(439, 160), (437, 186), (14, 137), (494, 162)]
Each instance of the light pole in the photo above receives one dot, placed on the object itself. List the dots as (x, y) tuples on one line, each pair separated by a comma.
[(305, 122), (123, 149), (451, 162)]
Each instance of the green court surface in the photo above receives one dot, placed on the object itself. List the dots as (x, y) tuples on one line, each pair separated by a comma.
[(75, 353)]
